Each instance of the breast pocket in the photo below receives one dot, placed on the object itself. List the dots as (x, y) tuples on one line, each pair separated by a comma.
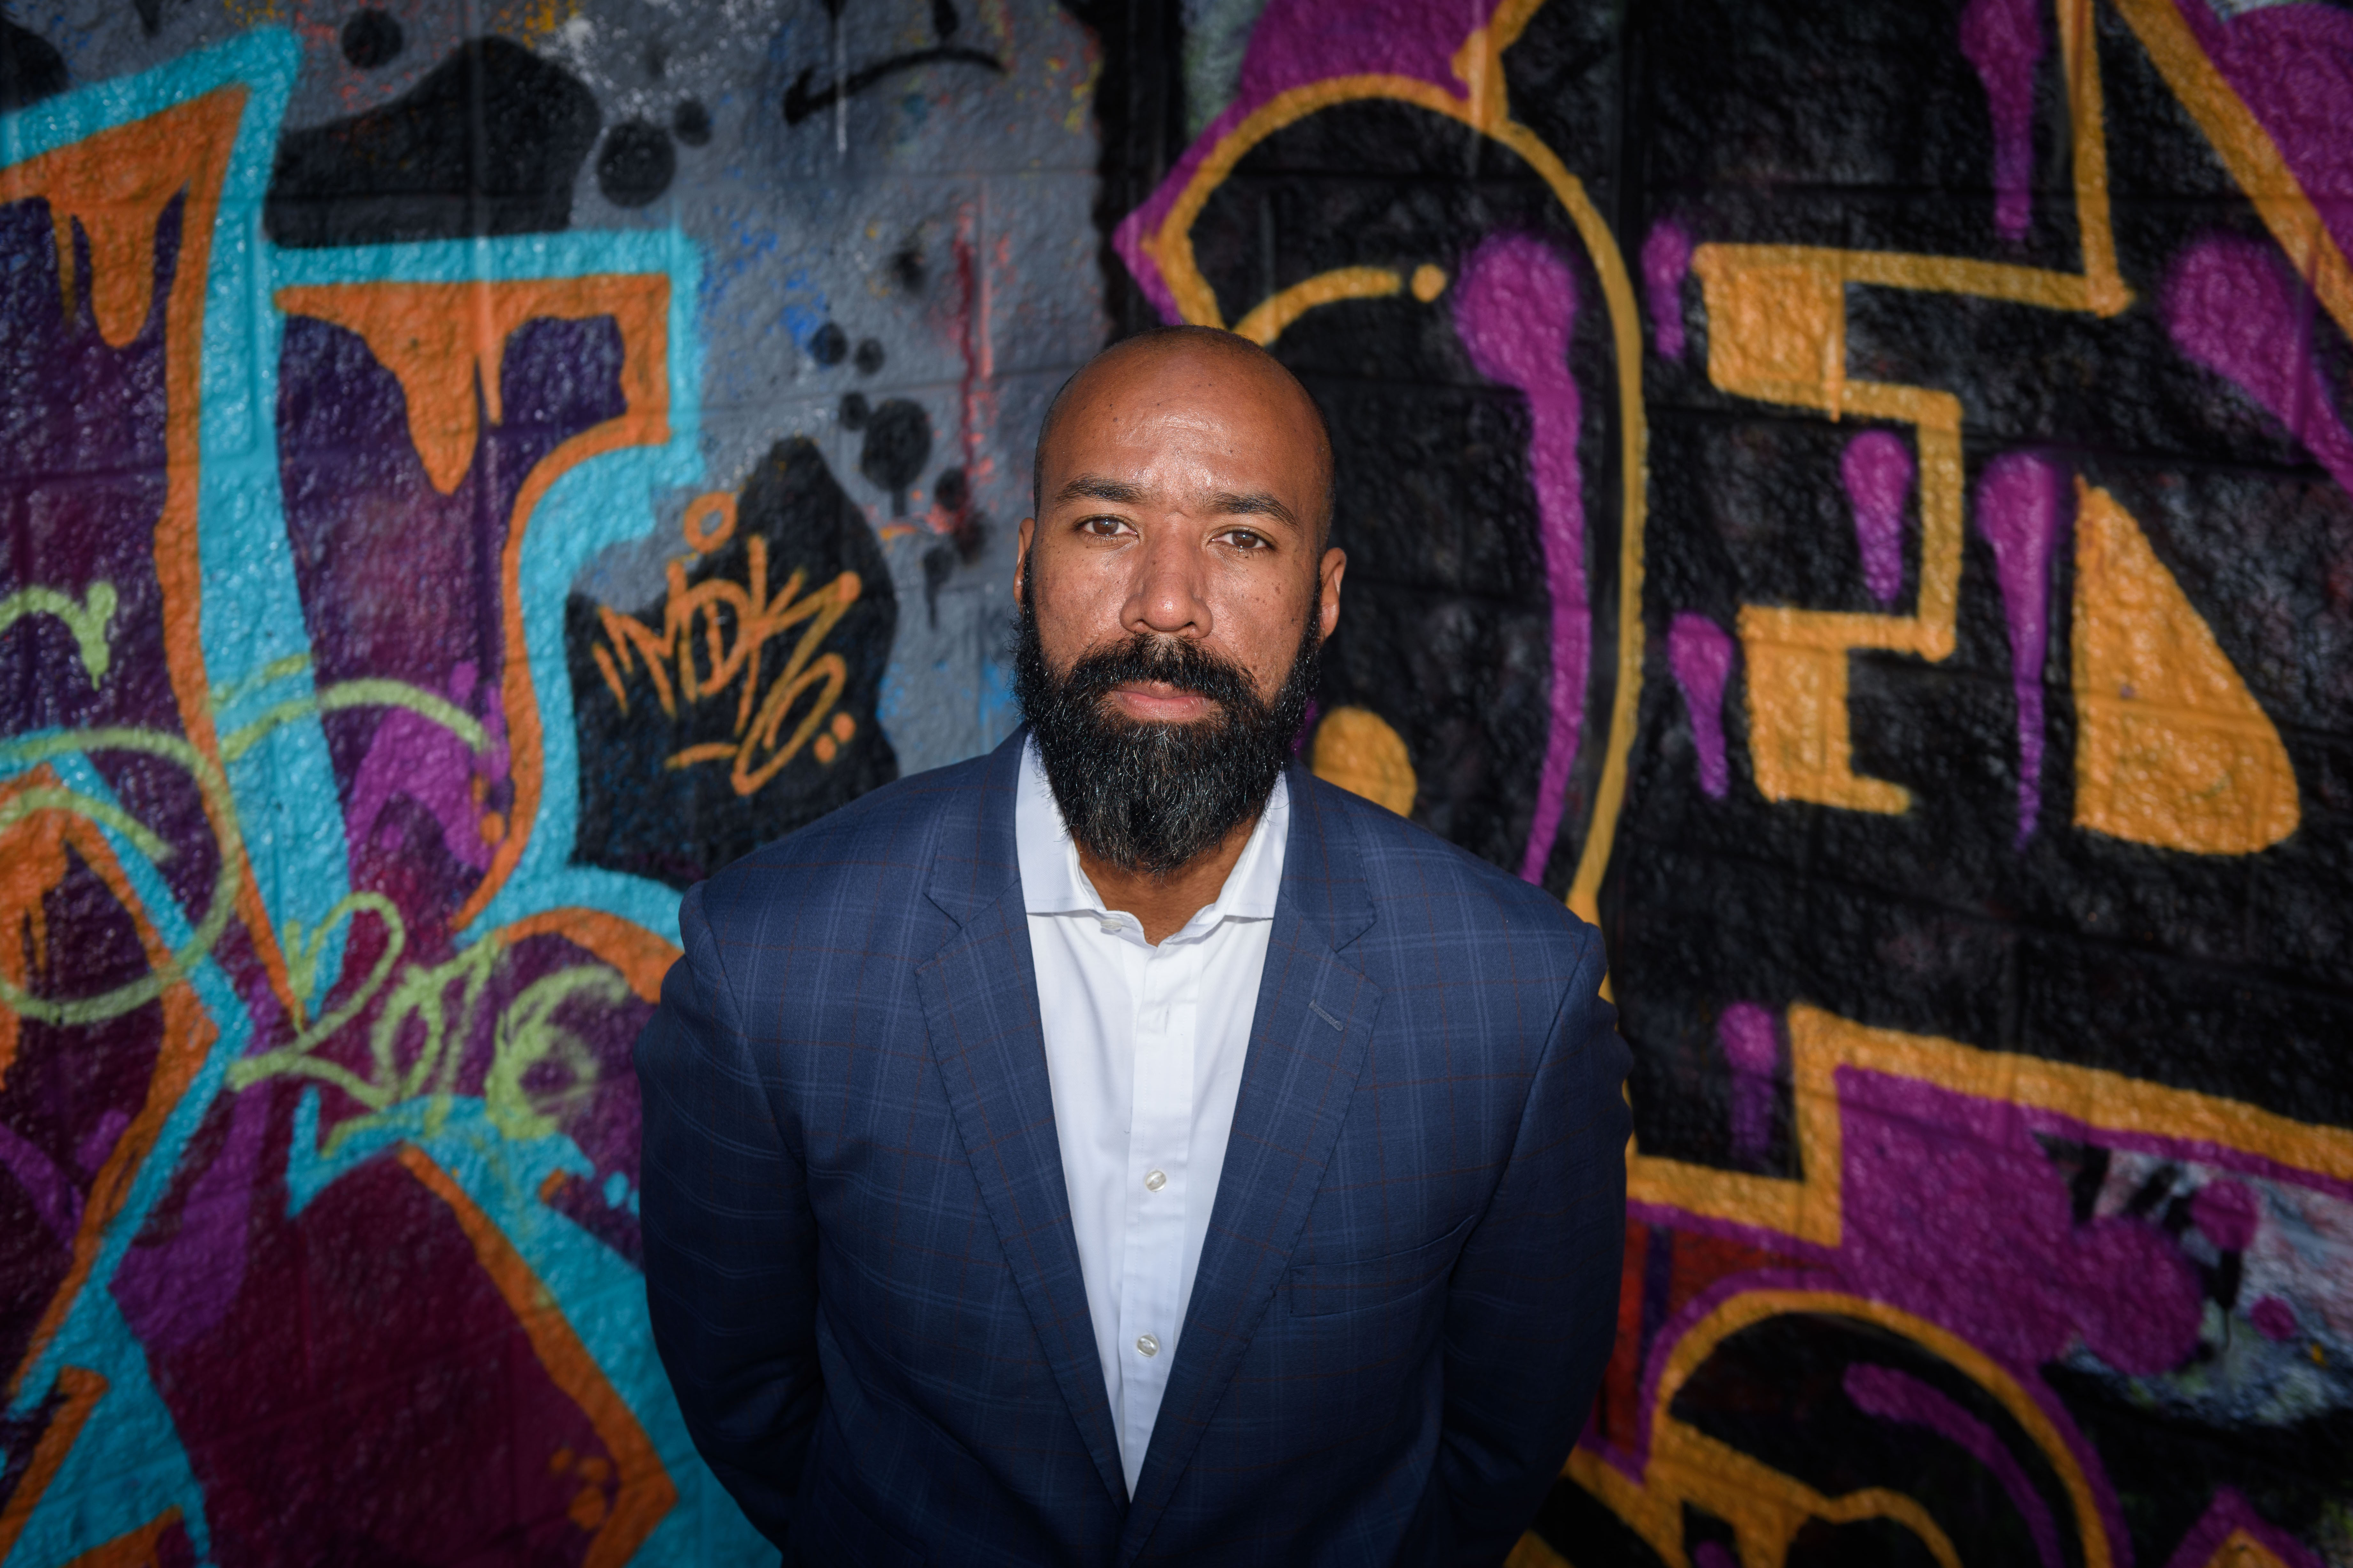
[(1361, 1285)]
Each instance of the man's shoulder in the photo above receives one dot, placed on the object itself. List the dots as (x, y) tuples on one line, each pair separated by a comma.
[(1420, 882), (878, 848)]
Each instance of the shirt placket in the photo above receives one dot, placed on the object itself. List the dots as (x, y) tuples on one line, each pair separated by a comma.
[(1159, 1142)]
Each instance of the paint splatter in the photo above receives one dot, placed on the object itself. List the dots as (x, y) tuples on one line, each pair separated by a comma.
[(2019, 513), (1878, 472), (1514, 310), (1699, 652), (2003, 40), (2273, 1319), (1666, 257)]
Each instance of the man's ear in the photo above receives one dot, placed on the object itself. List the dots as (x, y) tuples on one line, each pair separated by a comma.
[(1021, 558), (1327, 607)]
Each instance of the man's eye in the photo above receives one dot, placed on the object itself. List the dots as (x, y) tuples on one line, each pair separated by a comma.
[(1243, 539), (1103, 527)]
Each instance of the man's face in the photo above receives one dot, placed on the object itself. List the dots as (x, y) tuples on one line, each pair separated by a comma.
[(1174, 596), (1181, 499)]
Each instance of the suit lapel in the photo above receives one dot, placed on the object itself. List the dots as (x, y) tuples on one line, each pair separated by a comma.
[(981, 1000), (1307, 1044)]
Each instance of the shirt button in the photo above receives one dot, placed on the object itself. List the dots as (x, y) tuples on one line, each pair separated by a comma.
[(1146, 1346), (1154, 1181)]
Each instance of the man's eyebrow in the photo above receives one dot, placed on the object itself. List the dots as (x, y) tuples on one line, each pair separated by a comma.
[(1095, 487), (1256, 503)]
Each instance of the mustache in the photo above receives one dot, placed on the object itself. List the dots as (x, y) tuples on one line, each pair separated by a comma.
[(1154, 796), (1170, 661)]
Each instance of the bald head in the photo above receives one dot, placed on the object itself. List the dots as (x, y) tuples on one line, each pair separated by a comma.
[(1184, 490), (1171, 364)]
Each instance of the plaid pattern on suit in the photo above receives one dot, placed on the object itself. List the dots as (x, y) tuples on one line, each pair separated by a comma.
[(859, 1254)]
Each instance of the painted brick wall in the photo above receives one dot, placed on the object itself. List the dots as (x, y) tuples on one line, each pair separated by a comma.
[(1857, 498), (469, 472)]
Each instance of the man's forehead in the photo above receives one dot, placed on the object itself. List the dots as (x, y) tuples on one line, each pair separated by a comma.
[(1202, 366), (1199, 404), (1139, 398)]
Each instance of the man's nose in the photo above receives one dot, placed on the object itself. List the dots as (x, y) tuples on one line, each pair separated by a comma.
[(1166, 596)]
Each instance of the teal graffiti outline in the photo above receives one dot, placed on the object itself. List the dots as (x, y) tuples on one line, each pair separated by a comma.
[(118, 1476), (606, 500)]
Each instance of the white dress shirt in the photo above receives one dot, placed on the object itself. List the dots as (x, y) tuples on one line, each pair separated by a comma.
[(1145, 1048)]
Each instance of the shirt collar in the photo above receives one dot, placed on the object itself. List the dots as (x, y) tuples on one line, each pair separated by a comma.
[(1053, 883)]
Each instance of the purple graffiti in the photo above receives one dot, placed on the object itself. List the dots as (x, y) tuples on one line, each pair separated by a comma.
[(1893, 1395), (2006, 1257), (2003, 40), (91, 1153), (2229, 1514), (1700, 652), (2018, 513), (2273, 1319), (1666, 257), (2292, 65), (1292, 44), (1752, 1047), (1878, 471), (45, 1187), (1514, 310), (2227, 1214), (413, 755), (179, 1280), (2232, 306)]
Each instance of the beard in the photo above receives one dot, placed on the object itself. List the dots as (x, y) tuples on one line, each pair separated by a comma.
[(1149, 798)]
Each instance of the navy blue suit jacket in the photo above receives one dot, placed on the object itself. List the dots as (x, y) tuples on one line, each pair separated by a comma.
[(859, 1254)]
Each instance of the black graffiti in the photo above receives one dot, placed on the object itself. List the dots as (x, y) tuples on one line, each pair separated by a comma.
[(490, 141), (30, 67), (648, 807), (898, 444), (151, 13), (637, 165), (372, 39), (801, 101)]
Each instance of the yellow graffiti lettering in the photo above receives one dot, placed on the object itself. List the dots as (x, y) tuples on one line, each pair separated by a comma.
[(714, 640), (2174, 752)]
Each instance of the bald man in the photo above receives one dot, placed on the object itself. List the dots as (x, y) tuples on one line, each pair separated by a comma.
[(1127, 1147)]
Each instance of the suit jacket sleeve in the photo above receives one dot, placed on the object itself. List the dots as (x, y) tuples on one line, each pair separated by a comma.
[(729, 1241), (1533, 1304)]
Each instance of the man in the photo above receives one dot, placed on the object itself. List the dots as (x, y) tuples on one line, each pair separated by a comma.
[(1127, 1147)]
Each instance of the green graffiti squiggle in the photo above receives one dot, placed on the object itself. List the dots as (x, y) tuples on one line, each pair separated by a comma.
[(369, 693), (27, 801), (219, 812), (88, 621), (528, 1034), (303, 961), (525, 1034)]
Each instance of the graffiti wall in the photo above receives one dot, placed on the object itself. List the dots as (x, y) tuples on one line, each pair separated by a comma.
[(468, 472), (1859, 501)]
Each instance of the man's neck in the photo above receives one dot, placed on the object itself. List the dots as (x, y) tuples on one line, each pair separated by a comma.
[(1162, 904)]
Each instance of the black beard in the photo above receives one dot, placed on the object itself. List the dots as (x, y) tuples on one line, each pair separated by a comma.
[(1149, 798)]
